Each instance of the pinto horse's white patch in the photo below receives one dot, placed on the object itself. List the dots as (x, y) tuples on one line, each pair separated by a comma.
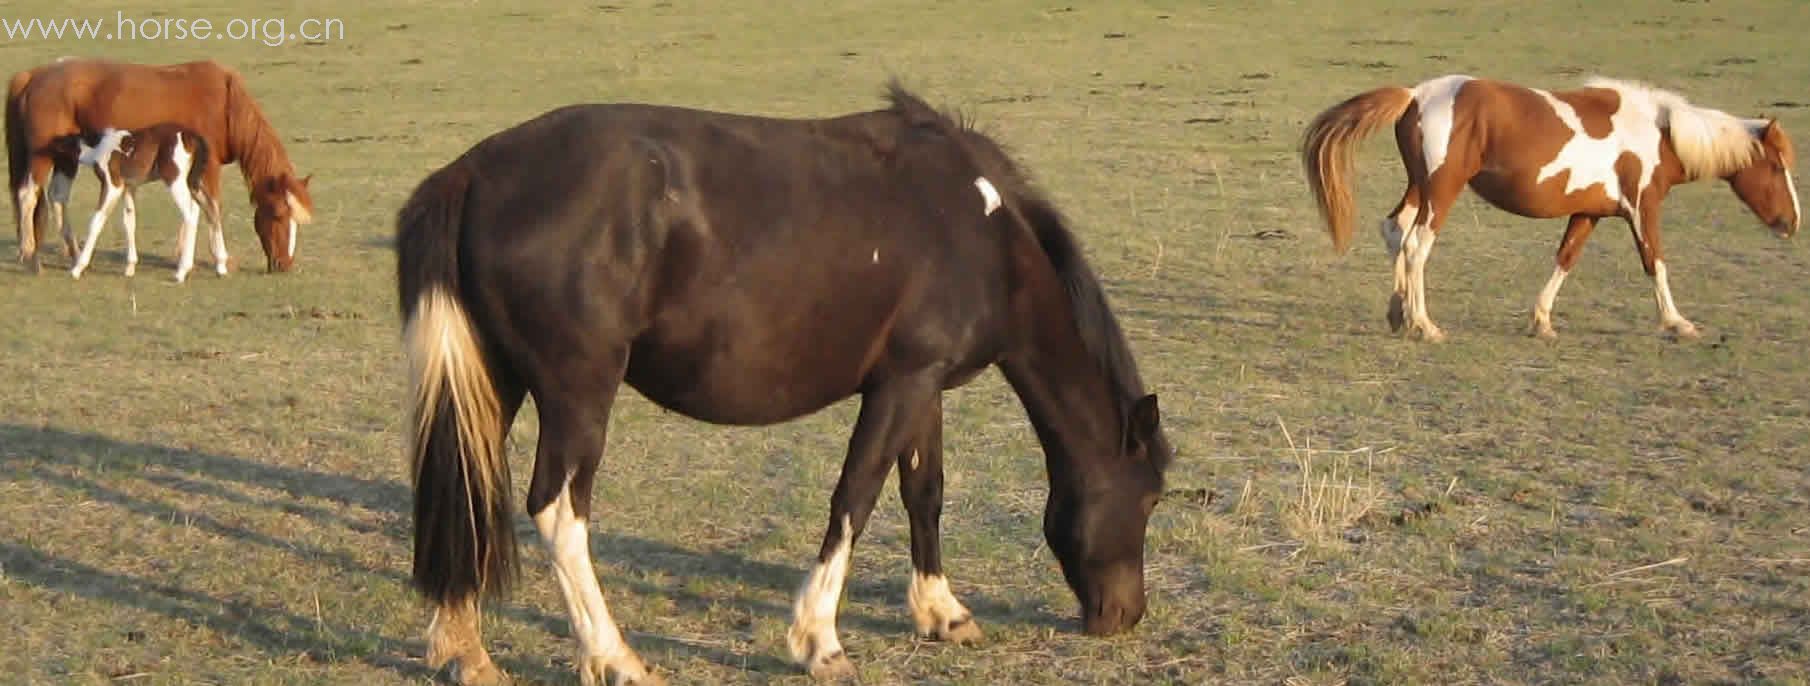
[(102, 152), (1438, 100), (1591, 161), (987, 193)]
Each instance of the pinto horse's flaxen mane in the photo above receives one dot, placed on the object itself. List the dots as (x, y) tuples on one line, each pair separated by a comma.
[(1098, 327), (1709, 142)]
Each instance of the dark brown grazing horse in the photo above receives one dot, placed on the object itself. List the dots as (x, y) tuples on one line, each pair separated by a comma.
[(86, 96), (744, 270)]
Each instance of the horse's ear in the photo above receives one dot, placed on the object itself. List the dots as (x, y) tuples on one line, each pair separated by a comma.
[(1143, 422), (306, 179)]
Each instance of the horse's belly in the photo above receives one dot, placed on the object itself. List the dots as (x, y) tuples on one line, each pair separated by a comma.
[(746, 381), (1528, 196)]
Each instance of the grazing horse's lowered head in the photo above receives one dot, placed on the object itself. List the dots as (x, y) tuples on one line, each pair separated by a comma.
[(1764, 183), (281, 204)]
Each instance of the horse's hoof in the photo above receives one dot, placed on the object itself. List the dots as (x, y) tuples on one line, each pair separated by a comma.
[(1683, 329), (180, 277), (131, 270), (964, 630), (1431, 334), (594, 671), (75, 274), (485, 674), (832, 667)]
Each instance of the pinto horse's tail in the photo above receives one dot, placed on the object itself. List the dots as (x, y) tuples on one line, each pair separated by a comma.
[(1326, 152), (464, 540)]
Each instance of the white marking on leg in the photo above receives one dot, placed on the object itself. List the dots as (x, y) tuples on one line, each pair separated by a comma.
[(1797, 213), (1542, 311), (1422, 240), (933, 607), (603, 657), (129, 220), (293, 230), (812, 638), (1437, 99), (110, 196), (987, 193), (876, 255), (191, 219), (1668, 310)]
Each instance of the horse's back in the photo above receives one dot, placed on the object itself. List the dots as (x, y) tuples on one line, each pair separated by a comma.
[(759, 268)]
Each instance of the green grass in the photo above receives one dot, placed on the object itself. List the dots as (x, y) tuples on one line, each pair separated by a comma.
[(203, 484)]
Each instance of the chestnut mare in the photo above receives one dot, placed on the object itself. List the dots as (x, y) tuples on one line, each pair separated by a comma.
[(1609, 149), (123, 161), (705, 259), (85, 96)]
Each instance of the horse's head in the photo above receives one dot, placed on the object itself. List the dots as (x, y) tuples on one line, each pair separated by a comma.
[(282, 206), (1765, 183), (1096, 529)]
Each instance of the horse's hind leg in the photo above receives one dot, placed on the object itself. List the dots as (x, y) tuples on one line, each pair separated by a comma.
[(934, 610), (453, 635), (1392, 229), (26, 205), (891, 418), (190, 207), (574, 426)]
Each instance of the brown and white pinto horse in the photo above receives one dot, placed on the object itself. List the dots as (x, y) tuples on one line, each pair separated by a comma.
[(1609, 149), (85, 96), (124, 160)]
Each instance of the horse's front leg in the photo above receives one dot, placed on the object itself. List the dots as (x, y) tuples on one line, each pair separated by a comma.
[(1652, 257), (128, 218), (190, 207), (934, 610), (890, 416), (110, 195), (61, 182)]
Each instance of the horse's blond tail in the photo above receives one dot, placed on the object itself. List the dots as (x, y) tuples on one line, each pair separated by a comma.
[(464, 539), (1326, 152)]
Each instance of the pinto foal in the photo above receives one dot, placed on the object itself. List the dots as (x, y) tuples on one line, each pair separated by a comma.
[(124, 160)]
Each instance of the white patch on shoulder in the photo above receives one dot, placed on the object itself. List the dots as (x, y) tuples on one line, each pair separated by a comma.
[(1437, 99), (987, 193), (103, 149), (1591, 161)]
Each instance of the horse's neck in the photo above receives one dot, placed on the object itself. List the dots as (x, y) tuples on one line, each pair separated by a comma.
[(1065, 391)]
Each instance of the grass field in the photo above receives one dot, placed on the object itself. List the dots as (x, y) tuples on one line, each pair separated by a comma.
[(203, 483)]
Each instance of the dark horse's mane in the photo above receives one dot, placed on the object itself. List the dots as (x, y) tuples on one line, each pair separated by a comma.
[(1099, 329)]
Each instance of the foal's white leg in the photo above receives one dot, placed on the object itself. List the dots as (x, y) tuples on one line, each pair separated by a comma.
[(95, 224), (1669, 318), (129, 218), (603, 657), (191, 216), (812, 638)]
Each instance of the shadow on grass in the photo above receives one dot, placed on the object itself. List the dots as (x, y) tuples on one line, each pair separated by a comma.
[(63, 460)]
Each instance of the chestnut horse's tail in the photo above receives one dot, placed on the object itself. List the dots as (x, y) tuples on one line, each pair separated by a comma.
[(18, 158), (1326, 152), (464, 540)]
